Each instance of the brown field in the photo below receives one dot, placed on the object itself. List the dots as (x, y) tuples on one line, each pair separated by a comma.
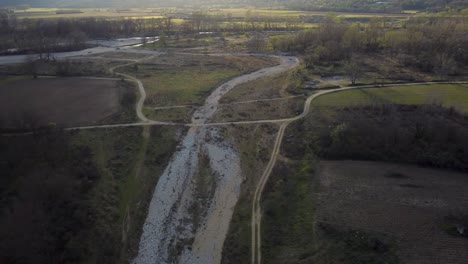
[(64, 101), (406, 202)]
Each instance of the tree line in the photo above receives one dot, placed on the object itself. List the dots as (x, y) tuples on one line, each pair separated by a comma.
[(432, 44), (428, 135), (46, 35)]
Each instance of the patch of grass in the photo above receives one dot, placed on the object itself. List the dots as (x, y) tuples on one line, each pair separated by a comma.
[(205, 187), (130, 173), (8, 79), (396, 175), (115, 160), (253, 144), (288, 227), (260, 110), (186, 86), (160, 143), (186, 80), (291, 233), (50, 13), (448, 95), (178, 115), (340, 245), (127, 103), (263, 88)]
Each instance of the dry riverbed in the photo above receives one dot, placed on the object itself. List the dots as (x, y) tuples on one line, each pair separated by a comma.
[(173, 233)]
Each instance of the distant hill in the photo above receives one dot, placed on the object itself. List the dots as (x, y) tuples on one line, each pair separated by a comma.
[(324, 5), (71, 3)]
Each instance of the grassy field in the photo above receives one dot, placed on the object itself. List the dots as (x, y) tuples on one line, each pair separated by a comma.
[(185, 80), (186, 86), (408, 203), (253, 144), (176, 80), (242, 13), (88, 12), (278, 18), (156, 12), (448, 95)]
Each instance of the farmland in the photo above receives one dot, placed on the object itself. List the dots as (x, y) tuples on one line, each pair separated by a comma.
[(233, 134), (410, 204), (233, 13), (355, 211), (81, 101)]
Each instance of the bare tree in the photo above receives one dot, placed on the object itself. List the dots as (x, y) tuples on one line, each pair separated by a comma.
[(167, 24), (443, 65), (257, 42), (353, 70), (31, 65), (77, 39)]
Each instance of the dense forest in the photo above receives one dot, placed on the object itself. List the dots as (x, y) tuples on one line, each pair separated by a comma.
[(45, 180)]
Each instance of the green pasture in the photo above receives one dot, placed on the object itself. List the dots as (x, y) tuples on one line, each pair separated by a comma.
[(449, 95)]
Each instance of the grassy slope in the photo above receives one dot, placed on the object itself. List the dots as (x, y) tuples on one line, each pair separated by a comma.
[(130, 172), (454, 95), (100, 183)]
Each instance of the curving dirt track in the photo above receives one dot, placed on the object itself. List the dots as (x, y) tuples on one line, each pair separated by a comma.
[(141, 88), (256, 255), (187, 156), (169, 236)]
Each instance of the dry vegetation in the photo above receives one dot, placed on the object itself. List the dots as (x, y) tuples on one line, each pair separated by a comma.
[(265, 98), (180, 80), (261, 110)]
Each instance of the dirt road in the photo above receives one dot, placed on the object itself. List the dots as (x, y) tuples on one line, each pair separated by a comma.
[(167, 225), (256, 255), (169, 234)]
